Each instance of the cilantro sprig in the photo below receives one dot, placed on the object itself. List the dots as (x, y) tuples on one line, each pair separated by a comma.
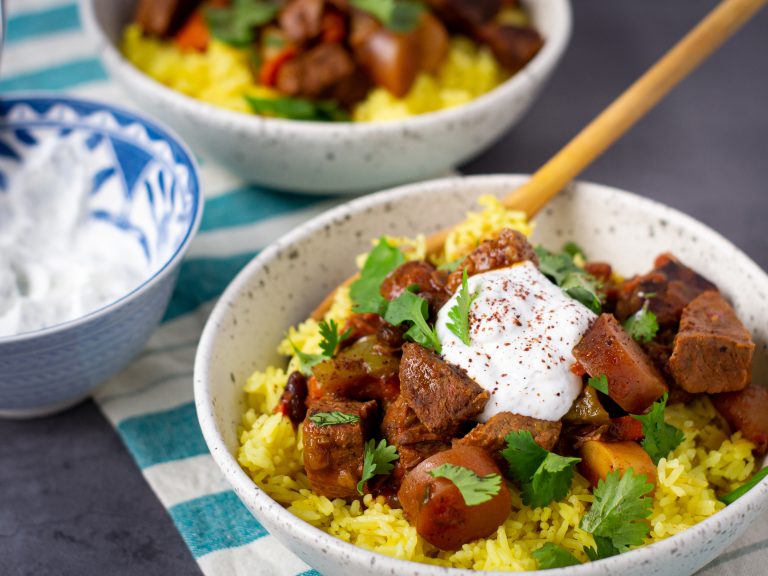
[(617, 517), (459, 314), (551, 555), (642, 325), (331, 340), (297, 109), (574, 281), (236, 24), (331, 337), (475, 489), (660, 438), (407, 308), (731, 497), (543, 476), (333, 418), (599, 383), (413, 309), (364, 291), (377, 459), (397, 15)]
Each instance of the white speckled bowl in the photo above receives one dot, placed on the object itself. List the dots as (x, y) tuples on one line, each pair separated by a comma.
[(342, 158), (285, 282)]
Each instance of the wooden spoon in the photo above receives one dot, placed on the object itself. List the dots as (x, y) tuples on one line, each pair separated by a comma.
[(719, 25)]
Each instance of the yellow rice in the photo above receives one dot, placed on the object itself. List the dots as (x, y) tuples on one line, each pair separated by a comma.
[(709, 462), (222, 76)]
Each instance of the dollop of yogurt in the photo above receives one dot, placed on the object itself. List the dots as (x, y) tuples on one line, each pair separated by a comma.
[(56, 263), (522, 332)]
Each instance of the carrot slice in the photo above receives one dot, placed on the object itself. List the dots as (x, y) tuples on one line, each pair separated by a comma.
[(194, 35), (270, 68)]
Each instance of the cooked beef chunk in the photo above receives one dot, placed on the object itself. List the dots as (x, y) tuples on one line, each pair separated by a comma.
[(315, 72), (746, 411), (600, 270), (442, 396), (430, 283), (352, 89), (401, 428), (466, 15), (302, 20), (622, 429), (392, 336), (361, 325), (713, 349), (366, 370), (163, 17), (509, 248), (293, 402), (513, 47), (490, 435), (333, 455), (672, 284), (634, 383)]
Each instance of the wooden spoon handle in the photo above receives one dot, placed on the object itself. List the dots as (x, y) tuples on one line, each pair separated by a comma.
[(719, 25)]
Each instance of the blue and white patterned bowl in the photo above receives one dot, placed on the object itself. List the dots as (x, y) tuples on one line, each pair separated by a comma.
[(144, 183)]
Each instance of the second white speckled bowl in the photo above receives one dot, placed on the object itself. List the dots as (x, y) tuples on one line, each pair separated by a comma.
[(343, 158), (284, 283)]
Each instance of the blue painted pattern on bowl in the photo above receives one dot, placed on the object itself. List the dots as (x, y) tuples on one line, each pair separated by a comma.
[(143, 184)]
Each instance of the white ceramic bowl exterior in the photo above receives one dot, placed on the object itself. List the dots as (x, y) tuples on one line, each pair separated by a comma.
[(285, 282), (348, 158), (144, 186)]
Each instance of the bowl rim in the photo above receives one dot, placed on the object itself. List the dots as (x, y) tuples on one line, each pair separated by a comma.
[(336, 547), (168, 266), (540, 66)]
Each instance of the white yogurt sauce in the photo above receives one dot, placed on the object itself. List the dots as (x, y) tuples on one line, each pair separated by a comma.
[(522, 331), (56, 264)]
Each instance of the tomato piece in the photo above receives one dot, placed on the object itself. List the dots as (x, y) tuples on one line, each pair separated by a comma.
[(195, 34), (271, 68)]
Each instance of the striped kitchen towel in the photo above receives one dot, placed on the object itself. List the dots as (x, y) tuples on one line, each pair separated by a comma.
[(150, 404)]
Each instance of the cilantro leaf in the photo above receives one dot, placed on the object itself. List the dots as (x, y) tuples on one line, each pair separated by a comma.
[(642, 325), (333, 418), (409, 307), (553, 556), (543, 476), (459, 314), (306, 361), (599, 383), (581, 287), (364, 291), (377, 460), (619, 510), (236, 24), (474, 489), (731, 497), (574, 281), (331, 338), (573, 250), (604, 549), (660, 438), (397, 15), (297, 109)]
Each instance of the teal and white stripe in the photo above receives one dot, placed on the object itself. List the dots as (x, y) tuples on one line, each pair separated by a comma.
[(151, 403)]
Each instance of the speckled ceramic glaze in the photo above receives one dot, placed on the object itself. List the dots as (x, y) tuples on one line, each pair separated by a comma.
[(143, 184), (286, 281), (316, 157)]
